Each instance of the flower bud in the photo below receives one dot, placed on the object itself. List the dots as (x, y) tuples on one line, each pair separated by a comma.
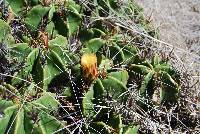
[(89, 66)]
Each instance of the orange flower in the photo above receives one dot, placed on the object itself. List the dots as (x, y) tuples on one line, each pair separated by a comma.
[(89, 66)]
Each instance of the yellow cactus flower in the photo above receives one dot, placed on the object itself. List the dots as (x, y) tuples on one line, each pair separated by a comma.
[(89, 66)]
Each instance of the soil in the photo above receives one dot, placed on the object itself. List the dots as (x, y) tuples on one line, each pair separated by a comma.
[(178, 21)]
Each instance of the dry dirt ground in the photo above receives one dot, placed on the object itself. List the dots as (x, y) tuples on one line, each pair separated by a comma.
[(177, 20)]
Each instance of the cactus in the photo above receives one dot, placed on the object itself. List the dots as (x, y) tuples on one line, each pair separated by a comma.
[(154, 72), (97, 71), (22, 113)]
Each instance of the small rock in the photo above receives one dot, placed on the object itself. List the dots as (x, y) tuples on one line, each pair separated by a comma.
[(196, 8)]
